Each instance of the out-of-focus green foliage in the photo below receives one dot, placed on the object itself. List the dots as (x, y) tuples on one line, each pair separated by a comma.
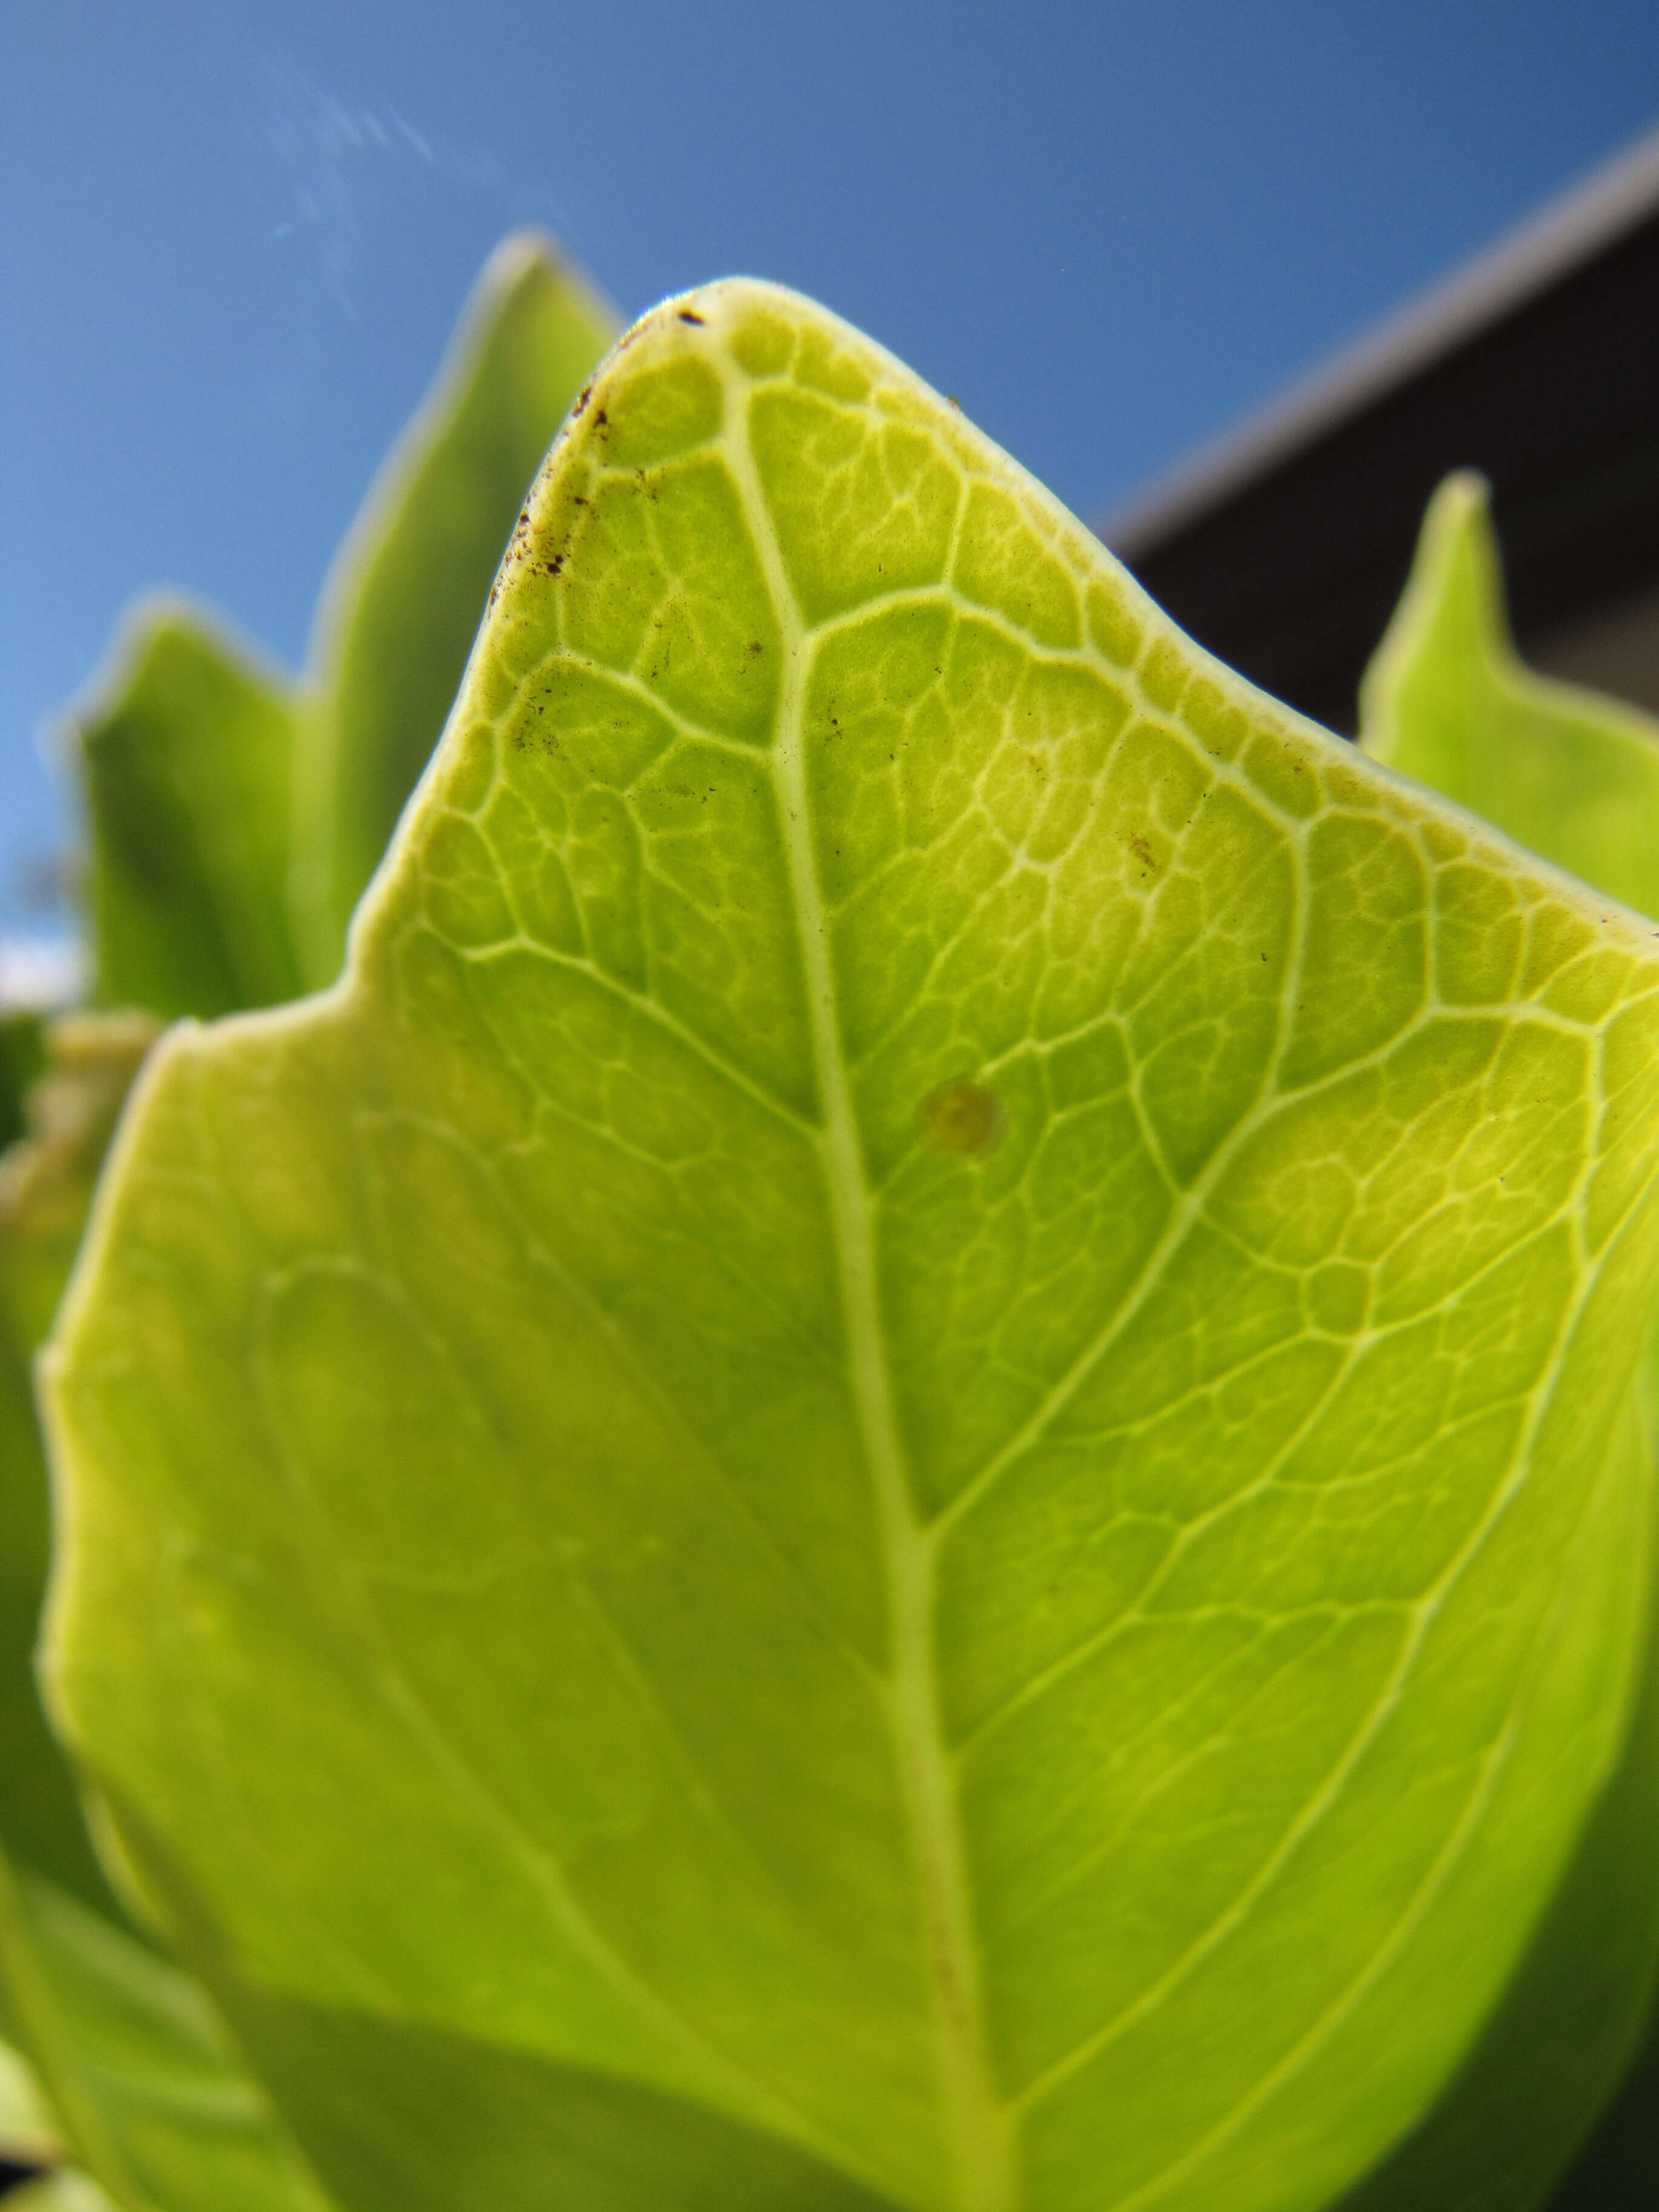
[(135, 2065), (186, 760), (46, 1179), (22, 1056), (28, 2135), (1564, 772), (64, 2190)]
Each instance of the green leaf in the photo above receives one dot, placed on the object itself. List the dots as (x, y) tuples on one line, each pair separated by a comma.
[(59, 1120), (1569, 2025), (1576, 777), (158, 2109), (910, 1424), (46, 1189), (137, 2078), (21, 1059), (186, 759), (409, 586), (393, 2113), (1564, 772)]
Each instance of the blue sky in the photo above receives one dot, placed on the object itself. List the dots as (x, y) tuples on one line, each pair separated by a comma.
[(233, 235)]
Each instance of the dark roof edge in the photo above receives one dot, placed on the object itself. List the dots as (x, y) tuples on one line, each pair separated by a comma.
[(1613, 199)]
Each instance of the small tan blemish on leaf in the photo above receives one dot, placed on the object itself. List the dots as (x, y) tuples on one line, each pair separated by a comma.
[(961, 1116), (1144, 853)]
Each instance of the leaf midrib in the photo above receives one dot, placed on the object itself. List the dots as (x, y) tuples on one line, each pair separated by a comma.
[(981, 2137)]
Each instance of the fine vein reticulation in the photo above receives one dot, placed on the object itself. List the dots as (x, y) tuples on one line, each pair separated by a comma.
[(913, 1407)]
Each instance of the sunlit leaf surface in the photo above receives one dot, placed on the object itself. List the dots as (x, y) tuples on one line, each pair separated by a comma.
[(1576, 777), (908, 1433)]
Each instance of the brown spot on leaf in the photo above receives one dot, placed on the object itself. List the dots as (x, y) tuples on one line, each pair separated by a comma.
[(961, 1116), (687, 316)]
